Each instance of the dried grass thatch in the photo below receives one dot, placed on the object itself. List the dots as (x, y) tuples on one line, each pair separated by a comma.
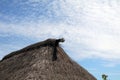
[(35, 63)]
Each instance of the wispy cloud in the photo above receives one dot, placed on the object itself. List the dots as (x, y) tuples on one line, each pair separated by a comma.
[(91, 29), (115, 73)]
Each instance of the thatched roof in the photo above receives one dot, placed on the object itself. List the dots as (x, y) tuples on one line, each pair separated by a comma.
[(35, 63)]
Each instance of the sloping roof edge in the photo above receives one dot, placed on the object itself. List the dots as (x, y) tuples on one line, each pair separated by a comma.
[(48, 42)]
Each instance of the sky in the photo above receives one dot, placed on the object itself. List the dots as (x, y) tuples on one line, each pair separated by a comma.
[(91, 29)]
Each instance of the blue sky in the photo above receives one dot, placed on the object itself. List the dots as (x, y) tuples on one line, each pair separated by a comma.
[(91, 29)]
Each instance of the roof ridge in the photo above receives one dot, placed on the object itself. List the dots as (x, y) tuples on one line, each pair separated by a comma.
[(48, 42)]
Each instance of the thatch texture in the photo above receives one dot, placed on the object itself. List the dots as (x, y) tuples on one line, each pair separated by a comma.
[(35, 63)]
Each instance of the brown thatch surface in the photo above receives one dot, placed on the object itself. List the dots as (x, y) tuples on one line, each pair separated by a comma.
[(35, 63)]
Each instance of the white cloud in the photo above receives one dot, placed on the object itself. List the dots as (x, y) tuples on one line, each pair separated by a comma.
[(92, 32)]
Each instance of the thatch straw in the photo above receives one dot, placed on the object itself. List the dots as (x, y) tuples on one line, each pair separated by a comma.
[(35, 63)]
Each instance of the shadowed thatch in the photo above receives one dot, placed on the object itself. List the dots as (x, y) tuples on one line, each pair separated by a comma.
[(35, 63)]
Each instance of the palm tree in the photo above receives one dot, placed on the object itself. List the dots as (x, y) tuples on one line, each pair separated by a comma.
[(104, 77)]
